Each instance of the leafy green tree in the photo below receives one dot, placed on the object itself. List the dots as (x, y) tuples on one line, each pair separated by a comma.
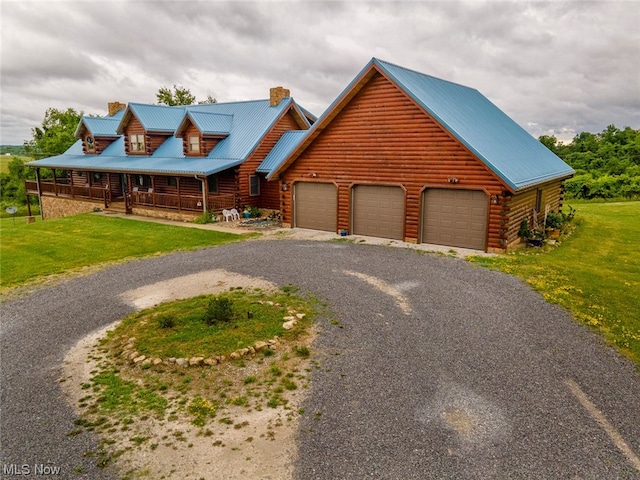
[(607, 164), (179, 96), (12, 183), (550, 142), (55, 135), (209, 99)]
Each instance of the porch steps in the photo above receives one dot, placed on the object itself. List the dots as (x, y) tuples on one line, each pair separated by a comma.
[(116, 208)]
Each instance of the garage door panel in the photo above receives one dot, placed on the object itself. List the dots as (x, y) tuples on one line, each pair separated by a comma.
[(378, 211), (316, 206), (455, 217)]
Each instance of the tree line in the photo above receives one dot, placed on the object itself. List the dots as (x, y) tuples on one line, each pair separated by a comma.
[(607, 164)]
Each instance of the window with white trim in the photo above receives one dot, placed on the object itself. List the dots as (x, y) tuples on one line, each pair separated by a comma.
[(194, 144), (136, 143)]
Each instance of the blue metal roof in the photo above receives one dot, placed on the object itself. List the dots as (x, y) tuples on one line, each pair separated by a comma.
[(99, 126), (251, 121), (245, 122), (209, 123), (505, 147), (137, 164), (154, 118), (287, 144)]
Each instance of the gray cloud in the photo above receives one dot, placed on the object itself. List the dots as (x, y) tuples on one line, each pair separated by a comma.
[(558, 67)]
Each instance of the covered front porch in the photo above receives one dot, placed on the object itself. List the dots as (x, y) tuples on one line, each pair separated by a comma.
[(126, 191)]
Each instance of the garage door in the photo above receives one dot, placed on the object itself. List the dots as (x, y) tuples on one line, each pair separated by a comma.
[(378, 211), (455, 217), (315, 206)]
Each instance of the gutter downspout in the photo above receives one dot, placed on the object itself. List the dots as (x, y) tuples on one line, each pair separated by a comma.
[(204, 194)]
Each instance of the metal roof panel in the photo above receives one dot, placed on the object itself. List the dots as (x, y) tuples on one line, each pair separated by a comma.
[(158, 118), (281, 150), (505, 147), (210, 123), (157, 165), (99, 126)]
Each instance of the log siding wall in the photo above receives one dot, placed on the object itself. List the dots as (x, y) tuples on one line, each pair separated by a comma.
[(269, 191), (99, 144), (521, 207), (382, 137)]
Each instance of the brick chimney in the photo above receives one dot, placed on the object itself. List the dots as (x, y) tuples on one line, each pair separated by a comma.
[(115, 107), (277, 94)]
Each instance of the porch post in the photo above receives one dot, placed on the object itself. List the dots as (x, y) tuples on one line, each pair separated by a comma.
[(153, 190), (55, 183), (39, 193), (179, 197)]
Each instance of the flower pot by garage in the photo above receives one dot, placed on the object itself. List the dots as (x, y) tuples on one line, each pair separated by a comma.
[(554, 233)]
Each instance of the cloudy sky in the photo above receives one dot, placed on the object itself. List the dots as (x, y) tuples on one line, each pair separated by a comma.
[(558, 68)]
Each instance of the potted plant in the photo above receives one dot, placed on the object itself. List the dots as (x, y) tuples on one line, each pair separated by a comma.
[(534, 238), (554, 224)]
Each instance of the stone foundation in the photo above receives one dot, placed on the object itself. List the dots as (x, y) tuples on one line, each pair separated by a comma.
[(54, 207), (166, 214)]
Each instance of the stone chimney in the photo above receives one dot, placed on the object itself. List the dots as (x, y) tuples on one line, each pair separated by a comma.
[(277, 94), (115, 107)]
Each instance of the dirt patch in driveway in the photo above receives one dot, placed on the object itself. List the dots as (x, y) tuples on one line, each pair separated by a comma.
[(250, 443)]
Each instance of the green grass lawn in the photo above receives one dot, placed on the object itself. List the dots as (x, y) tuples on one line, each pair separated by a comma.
[(595, 272), (29, 252)]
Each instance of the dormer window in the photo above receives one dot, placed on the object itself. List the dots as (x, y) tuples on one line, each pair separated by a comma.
[(194, 144), (91, 145), (136, 143)]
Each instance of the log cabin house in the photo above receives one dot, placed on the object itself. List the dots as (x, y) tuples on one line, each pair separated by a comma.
[(172, 162), (399, 154), (407, 156)]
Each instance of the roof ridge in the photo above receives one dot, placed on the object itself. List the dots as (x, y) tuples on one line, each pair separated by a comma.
[(156, 105), (385, 63)]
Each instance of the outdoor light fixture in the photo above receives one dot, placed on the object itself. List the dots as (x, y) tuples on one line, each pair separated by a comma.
[(285, 187), (452, 180), (494, 199)]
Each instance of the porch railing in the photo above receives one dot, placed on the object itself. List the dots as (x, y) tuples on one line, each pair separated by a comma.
[(66, 190), (182, 202), (146, 199)]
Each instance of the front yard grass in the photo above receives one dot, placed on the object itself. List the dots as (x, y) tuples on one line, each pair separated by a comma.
[(31, 251), (123, 400), (595, 273)]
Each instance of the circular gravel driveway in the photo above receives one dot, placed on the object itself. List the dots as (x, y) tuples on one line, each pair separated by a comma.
[(429, 368)]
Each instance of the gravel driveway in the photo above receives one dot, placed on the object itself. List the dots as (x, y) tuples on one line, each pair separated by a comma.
[(434, 369)]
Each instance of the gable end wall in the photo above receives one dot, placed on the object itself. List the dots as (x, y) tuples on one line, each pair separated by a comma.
[(269, 191), (383, 137)]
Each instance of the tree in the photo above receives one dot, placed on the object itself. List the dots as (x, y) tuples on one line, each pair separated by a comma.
[(549, 141), (209, 99), (179, 96), (55, 135), (12, 187)]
